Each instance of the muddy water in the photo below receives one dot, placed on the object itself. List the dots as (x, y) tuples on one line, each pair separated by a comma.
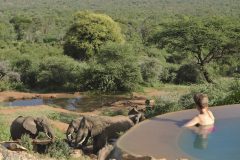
[(81, 103)]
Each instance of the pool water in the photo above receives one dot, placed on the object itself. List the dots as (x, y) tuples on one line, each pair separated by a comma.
[(221, 143)]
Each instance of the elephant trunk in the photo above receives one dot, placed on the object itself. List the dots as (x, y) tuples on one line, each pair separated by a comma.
[(69, 133), (49, 133)]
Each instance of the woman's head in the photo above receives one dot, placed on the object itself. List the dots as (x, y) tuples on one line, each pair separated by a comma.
[(201, 100)]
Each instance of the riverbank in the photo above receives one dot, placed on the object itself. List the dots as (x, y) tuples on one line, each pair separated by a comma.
[(59, 118), (14, 95)]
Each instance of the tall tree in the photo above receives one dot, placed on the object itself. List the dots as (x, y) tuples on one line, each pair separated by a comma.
[(88, 32), (205, 40)]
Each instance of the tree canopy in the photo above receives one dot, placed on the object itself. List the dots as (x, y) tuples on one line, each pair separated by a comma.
[(88, 32), (205, 40)]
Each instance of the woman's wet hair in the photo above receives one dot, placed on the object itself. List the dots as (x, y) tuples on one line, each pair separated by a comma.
[(201, 100)]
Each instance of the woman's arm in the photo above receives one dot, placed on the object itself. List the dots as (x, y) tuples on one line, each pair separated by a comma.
[(192, 122)]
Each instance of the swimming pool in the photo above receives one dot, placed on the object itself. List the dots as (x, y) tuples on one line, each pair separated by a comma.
[(163, 136), (222, 143)]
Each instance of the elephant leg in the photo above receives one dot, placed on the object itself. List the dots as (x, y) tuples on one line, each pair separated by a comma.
[(99, 142)]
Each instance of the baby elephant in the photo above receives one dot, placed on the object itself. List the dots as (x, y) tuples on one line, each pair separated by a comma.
[(31, 126)]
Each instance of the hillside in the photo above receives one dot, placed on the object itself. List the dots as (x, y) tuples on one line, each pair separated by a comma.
[(58, 13)]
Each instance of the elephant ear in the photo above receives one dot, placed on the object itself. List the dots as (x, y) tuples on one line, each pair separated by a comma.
[(30, 125)]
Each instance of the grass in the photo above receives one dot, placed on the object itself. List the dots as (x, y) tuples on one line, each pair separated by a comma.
[(4, 129), (6, 120), (63, 117), (111, 113)]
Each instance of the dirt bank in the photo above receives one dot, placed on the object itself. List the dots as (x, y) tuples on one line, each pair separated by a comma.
[(13, 95)]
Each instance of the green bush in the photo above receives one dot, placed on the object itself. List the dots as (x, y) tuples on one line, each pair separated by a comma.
[(7, 74), (169, 73), (189, 73), (151, 70), (234, 94), (26, 142), (59, 149), (59, 73), (4, 130), (4, 85), (63, 117), (163, 105), (28, 69), (109, 112), (115, 69), (221, 93), (8, 78)]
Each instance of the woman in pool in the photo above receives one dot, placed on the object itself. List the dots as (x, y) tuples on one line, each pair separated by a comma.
[(205, 116), (203, 123)]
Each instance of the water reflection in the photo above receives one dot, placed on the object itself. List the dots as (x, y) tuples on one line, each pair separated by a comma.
[(81, 103), (202, 133)]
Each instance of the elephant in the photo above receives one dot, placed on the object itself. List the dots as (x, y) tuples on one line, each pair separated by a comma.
[(72, 129), (136, 116), (30, 126), (102, 129)]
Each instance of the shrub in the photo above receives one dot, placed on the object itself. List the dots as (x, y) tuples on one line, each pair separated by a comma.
[(12, 77), (169, 73), (109, 112), (4, 85), (189, 73), (115, 69), (221, 93), (59, 73), (151, 70), (234, 95), (26, 142), (63, 117), (187, 101), (59, 149), (163, 105), (4, 130), (8, 78), (28, 69)]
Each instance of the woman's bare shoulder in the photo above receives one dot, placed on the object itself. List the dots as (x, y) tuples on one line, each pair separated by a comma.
[(211, 114)]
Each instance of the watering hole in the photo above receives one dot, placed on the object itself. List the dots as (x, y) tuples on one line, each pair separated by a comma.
[(81, 103)]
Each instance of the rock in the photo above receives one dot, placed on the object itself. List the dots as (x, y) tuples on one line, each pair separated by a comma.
[(14, 147), (13, 155), (1, 156), (77, 153), (93, 156), (131, 157), (105, 151)]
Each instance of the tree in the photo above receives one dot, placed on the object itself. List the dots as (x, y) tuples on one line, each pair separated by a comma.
[(88, 32), (205, 40), (21, 25), (115, 69), (6, 31)]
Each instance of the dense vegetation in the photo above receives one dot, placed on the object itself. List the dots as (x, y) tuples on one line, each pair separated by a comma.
[(55, 45), (119, 45)]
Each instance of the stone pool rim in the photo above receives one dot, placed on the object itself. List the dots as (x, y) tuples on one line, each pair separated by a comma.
[(157, 123)]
